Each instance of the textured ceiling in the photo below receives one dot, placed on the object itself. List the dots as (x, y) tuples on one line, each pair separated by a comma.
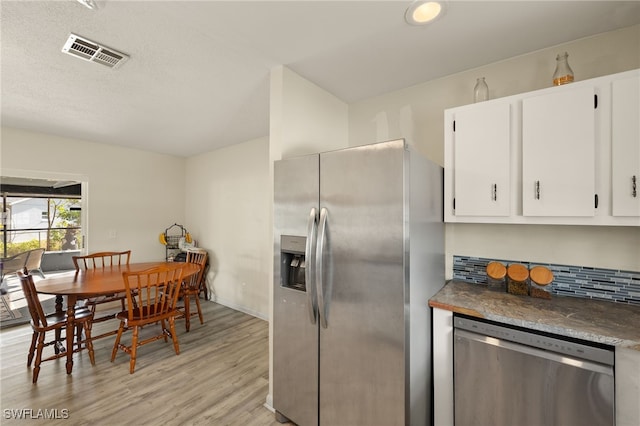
[(198, 74)]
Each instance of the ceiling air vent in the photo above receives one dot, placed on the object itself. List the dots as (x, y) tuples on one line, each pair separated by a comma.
[(93, 52)]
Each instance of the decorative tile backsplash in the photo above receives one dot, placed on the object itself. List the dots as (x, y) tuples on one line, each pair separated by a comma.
[(575, 281)]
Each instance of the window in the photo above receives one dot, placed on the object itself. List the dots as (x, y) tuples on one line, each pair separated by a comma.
[(35, 220)]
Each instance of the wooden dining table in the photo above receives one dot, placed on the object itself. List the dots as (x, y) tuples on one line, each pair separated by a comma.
[(84, 284)]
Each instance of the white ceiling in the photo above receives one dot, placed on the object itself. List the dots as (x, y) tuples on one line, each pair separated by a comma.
[(198, 74)]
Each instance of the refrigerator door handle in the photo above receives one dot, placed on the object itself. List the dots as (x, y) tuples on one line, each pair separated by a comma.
[(310, 269), (323, 308)]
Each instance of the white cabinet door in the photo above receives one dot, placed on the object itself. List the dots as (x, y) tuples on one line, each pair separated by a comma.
[(481, 160), (558, 150), (625, 147)]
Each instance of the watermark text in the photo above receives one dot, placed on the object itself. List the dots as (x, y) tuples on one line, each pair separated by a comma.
[(35, 414)]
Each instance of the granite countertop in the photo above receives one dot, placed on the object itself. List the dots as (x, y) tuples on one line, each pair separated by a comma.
[(615, 324)]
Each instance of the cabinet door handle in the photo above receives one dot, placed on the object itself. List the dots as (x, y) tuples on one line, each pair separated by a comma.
[(634, 192), (537, 190), (494, 192)]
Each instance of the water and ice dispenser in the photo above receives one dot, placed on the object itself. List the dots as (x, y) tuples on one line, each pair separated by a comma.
[(292, 262)]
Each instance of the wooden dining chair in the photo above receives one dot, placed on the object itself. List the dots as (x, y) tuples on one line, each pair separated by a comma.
[(152, 296), (191, 288), (56, 322), (104, 259)]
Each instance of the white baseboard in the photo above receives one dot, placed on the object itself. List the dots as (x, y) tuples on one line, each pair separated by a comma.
[(233, 305), (269, 404)]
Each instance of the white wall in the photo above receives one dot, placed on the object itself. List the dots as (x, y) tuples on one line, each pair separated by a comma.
[(228, 212), (304, 119), (132, 195), (418, 113)]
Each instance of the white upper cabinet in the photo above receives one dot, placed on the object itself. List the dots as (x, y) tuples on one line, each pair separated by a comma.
[(481, 158), (567, 155), (558, 153), (625, 147)]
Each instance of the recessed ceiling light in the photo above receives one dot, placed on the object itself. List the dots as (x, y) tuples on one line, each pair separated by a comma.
[(91, 4), (422, 12)]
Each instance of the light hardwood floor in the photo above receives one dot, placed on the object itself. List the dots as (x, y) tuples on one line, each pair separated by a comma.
[(219, 378)]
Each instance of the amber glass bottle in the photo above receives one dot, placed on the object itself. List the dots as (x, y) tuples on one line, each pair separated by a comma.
[(563, 73)]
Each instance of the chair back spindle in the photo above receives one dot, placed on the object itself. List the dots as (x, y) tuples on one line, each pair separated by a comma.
[(101, 259)]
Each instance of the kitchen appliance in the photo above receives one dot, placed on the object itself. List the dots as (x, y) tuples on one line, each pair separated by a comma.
[(359, 250), (513, 376)]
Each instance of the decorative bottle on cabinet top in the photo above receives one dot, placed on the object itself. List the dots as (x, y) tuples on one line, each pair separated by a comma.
[(563, 73), (481, 90)]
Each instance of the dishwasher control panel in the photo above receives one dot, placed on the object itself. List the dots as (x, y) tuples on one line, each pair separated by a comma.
[(554, 343)]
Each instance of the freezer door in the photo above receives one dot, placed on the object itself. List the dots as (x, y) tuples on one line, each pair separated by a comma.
[(295, 337), (362, 298)]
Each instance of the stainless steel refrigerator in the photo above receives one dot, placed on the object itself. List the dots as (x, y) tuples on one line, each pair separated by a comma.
[(359, 250)]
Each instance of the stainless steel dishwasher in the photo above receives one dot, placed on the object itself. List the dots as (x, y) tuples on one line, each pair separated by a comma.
[(512, 376)]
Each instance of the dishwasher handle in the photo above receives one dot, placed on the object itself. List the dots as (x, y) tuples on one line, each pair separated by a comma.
[(541, 353)]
